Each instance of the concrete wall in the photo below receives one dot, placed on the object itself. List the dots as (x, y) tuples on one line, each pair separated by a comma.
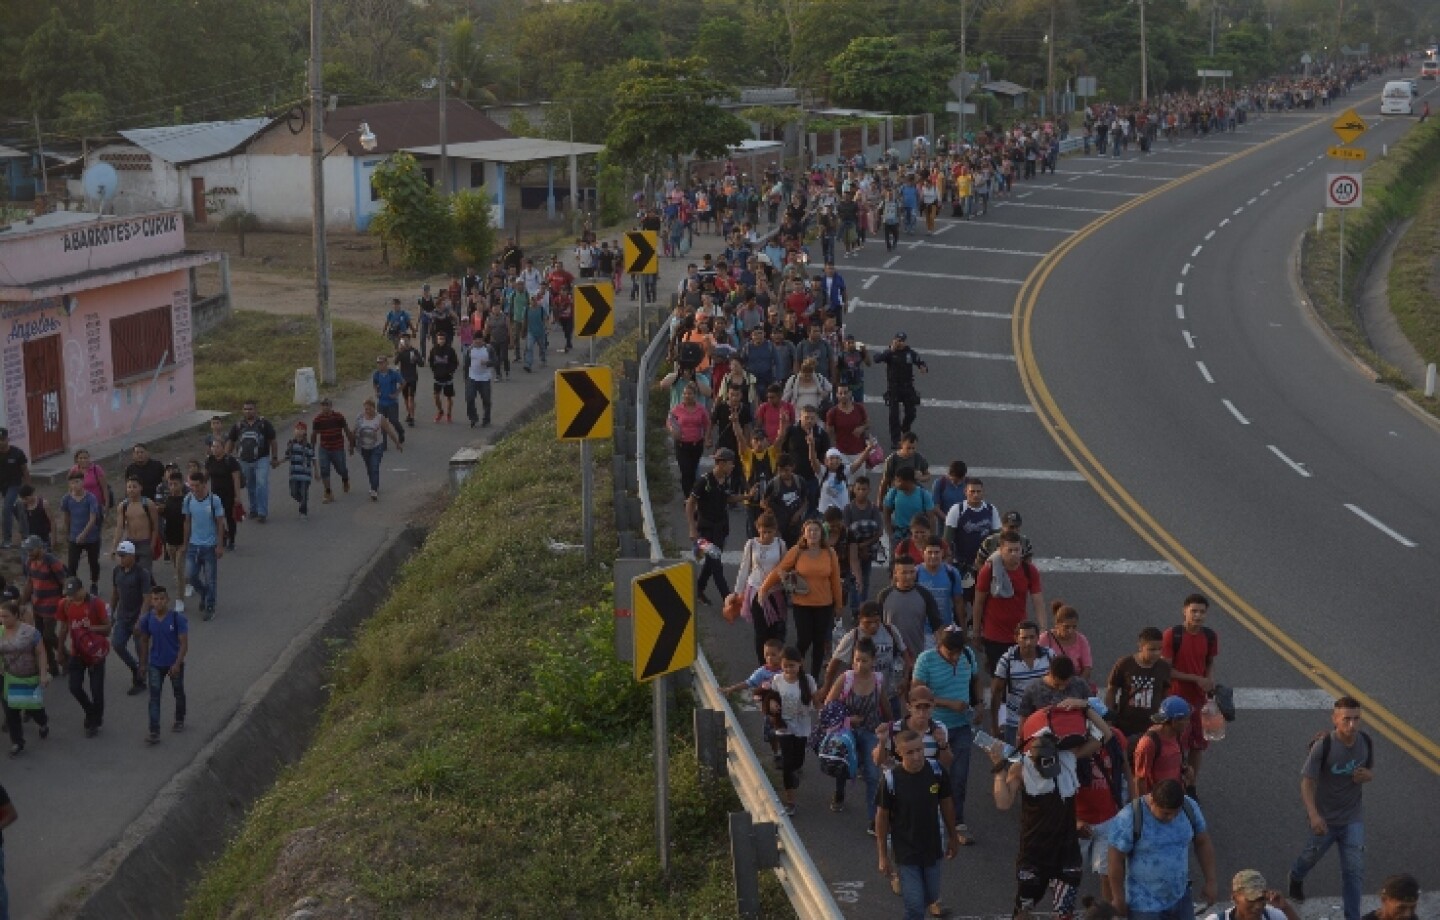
[(154, 188)]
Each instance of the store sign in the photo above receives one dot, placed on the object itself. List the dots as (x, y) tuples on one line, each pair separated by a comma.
[(23, 330), (86, 246), (114, 234)]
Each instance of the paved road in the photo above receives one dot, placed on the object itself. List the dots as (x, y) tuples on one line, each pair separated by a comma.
[(1107, 339), (77, 796)]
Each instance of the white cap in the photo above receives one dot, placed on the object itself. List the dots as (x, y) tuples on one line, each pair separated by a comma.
[(126, 548)]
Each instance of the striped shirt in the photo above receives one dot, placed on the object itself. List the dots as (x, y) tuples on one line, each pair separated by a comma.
[(1018, 675)]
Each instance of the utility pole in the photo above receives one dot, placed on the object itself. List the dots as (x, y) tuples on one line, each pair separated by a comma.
[(1214, 16), (40, 152), (964, 79), (1144, 58), (317, 202), (1050, 67), (444, 150)]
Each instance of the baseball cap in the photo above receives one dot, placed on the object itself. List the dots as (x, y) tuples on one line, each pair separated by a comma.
[(1044, 753), (126, 548), (954, 639), (724, 453), (1172, 709), (1249, 883), (902, 336), (1011, 517), (31, 543), (73, 584), (834, 452)]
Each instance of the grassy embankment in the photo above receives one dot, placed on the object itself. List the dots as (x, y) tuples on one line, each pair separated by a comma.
[(254, 355), (1394, 191), (1415, 273), (483, 753)]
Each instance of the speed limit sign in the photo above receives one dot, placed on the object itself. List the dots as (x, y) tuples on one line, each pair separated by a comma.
[(1343, 190)]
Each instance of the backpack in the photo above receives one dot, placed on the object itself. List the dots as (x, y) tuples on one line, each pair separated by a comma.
[(1115, 753), (250, 444), (89, 646), (1324, 739), (1069, 726), (1138, 820), (1177, 638), (689, 354), (837, 754)]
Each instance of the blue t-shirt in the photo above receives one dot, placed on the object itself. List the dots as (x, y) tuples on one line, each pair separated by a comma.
[(80, 511), (947, 493), (202, 512), (387, 387), (1157, 875), (944, 585), (903, 508), (951, 682), (164, 636)]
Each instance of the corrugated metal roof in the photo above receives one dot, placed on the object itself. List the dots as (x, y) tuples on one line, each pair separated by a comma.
[(1005, 88), (510, 149), (181, 144), (8, 153)]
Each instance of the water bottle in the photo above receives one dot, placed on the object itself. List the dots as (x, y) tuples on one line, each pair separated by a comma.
[(992, 745), (1212, 721)]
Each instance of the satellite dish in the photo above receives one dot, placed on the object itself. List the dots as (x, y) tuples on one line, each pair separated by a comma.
[(101, 182)]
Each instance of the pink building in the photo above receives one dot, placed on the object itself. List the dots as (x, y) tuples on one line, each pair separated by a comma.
[(95, 327)]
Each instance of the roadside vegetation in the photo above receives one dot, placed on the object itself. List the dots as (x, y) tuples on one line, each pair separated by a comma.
[(254, 355), (1415, 275), (484, 754), (1395, 189)]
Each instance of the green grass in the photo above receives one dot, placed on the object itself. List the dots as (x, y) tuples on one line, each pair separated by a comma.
[(254, 355), (1394, 190), (1414, 280), (483, 753)]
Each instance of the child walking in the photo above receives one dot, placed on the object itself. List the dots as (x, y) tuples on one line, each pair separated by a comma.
[(796, 692), (301, 457)]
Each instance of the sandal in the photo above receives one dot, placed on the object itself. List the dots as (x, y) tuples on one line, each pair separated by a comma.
[(895, 882), (962, 836)]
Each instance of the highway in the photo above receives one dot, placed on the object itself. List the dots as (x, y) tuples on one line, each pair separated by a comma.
[(1122, 357)]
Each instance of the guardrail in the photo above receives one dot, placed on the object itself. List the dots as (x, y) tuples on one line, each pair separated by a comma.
[(796, 871)]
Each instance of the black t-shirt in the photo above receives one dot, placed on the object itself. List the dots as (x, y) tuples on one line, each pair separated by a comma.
[(443, 363), (172, 518), (712, 499), (913, 801), (4, 803), (151, 474), (133, 587), (12, 467), (222, 482), (727, 430), (408, 361)]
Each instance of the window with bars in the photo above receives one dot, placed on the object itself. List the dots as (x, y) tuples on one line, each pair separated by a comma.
[(139, 341)]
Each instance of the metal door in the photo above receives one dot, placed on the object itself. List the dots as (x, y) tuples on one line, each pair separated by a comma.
[(197, 198), (44, 396)]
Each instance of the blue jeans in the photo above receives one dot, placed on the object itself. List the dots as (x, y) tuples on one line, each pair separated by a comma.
[(1351, 838), (256, 474), (373, 456), (204, 570), (472, 389), (334, 458), (1183, 909), (960, 744), (865, 742), (157, 677), (120, 643), (532, 343), (920, 887), (12, 513)]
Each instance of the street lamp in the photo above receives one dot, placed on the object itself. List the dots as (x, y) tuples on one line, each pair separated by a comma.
[(318, 153)]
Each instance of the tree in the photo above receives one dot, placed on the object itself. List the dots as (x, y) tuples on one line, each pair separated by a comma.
[(892, 75), (414, 219), (474, 228), (666, 110)]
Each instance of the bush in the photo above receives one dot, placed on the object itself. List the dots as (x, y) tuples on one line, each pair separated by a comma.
[(415, 219), (473, 226)]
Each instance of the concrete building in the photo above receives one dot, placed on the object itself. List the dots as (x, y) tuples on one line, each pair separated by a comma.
[(96, 317), (199, 169)]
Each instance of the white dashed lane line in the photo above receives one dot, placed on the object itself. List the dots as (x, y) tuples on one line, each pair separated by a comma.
[(1185, 270), (1189, 339), (1196, 251), (1180, 289), (1210, 235), (1225, 221), (1204, 371), (1180, 311), (891, 261), (869, 281), (1235, 412), (1375, 522), (1297, 467), (1237, 210)]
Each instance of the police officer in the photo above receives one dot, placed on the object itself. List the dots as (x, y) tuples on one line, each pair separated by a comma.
[(900, 362)]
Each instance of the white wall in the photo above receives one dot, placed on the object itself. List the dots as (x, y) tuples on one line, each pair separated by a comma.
[(279, 190), (225, 173), (141, 191)]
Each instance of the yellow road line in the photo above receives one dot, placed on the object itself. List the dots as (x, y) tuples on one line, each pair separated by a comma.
[(1386, 722)]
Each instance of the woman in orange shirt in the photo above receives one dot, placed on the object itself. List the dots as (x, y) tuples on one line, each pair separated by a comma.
[(813, 606)]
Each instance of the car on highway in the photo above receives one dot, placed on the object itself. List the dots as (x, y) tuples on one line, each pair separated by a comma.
[(1430, 70), (1396, 99)]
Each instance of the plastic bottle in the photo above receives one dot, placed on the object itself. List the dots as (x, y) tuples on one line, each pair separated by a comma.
[(1212, 722), (992, 745)]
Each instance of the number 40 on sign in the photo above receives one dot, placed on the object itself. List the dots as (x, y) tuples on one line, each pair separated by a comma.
[(1343, 190)]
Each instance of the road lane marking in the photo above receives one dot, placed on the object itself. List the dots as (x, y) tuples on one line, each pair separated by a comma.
[(1225, 221), (856, 303), (1179, 289), (1237, 210), (949, 277), (1001, 252), (988, 472), (1299, 468), (891, 261), (1196, 251), (1179, 311), (1424, 749), (1252, 200), (1189, 339), (982, 355), (869, 281), (1235, 412), (1282, 698), (982, 222), (966, 404), (1210, 235), (1378, 525), (1054, 207), (1086, 191), (1185, 270), (1204, 371), (1264, 192)]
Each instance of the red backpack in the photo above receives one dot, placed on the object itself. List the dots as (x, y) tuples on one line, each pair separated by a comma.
[(1069, 726)]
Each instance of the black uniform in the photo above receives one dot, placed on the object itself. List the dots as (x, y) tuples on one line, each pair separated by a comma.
[(900, 392)]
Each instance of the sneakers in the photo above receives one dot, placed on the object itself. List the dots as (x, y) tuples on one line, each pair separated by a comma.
[(345, 486), (374, 496), (837, 803), (779, 762), (449, 419), (152, 738), (788, 809), (327, 499), (1297, 890), (17, 749), (209, 613), (178, 727), (870, 828), (189, 590), (179, 606), (439, 416), (410, 420)]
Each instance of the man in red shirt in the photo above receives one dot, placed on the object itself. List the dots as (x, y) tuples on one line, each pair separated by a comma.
[(848, 424), (329, 430), (84, 622), (997, 613), (43, 589), (774, 415), (1096, 801), (1191, 649), (1160, 752)]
